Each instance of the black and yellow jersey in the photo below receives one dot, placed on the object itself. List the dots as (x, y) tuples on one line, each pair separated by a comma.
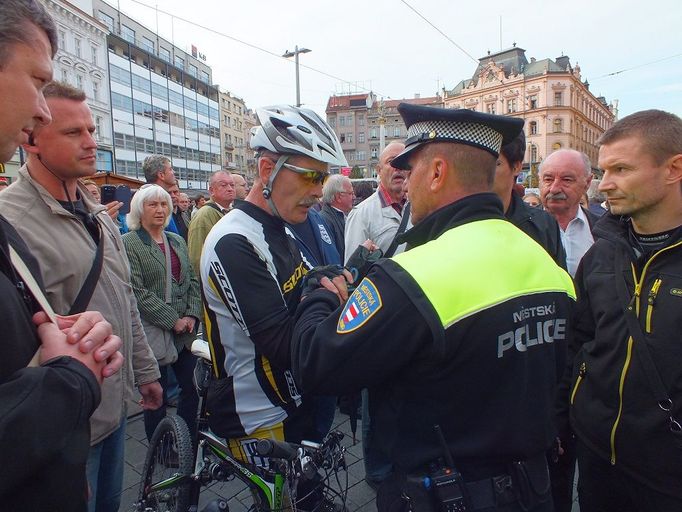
[(250, 269)]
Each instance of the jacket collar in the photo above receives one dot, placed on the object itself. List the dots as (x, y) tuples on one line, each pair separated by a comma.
[(52, 203), (468, 209)]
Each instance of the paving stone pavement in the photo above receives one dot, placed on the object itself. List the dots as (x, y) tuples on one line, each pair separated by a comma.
[(360, 496)]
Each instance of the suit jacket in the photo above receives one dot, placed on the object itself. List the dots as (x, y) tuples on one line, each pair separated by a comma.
[(148, 277), (336, 221)]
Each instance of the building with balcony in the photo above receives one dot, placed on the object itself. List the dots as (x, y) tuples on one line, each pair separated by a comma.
[(365, 125), (558, 107), (163, 102), (232, 111)]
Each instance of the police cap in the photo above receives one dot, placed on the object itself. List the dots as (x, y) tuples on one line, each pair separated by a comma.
[(462, 126)]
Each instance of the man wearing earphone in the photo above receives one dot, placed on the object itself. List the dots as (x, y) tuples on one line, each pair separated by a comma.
[(83, 266)]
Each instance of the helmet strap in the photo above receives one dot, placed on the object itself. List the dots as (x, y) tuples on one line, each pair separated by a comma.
[(267, 189)]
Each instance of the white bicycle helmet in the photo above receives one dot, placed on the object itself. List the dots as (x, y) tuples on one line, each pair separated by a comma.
[(287, 130), (290, 131)]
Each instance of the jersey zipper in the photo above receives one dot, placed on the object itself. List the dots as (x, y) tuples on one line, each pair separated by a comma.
[(635, 302)]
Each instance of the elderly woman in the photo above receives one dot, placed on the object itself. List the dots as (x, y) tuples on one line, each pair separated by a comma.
[(167, 293)]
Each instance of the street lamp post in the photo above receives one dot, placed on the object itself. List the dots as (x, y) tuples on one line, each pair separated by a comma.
[(295, 54)]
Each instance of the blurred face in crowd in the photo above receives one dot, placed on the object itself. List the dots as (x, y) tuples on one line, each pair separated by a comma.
[(222, 189), (183, 202), (94, 191), (26, 70), (240, 186), (391, 178), (344, 199), (167, 176), (199, 202), (174, 192), (505, 177), (563, 181), (532, 200)]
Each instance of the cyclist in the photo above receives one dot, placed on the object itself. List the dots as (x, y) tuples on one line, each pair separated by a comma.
[(251, 271)]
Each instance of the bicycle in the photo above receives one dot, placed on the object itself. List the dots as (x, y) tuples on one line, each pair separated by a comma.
[(176, 468)]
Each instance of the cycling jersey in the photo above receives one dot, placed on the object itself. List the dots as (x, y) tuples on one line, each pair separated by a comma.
[(249, 271)]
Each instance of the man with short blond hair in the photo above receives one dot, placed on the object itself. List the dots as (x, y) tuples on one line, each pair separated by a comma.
[(624, 390), (69, 233), (222, 191)]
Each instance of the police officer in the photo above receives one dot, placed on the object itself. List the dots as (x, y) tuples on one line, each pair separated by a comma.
[(461, 339)]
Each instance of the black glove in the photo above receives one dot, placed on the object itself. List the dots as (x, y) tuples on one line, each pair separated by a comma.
[(311, 281), (360, 262)]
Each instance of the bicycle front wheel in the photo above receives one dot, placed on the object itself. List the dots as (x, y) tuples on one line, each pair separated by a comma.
[(165, 484)]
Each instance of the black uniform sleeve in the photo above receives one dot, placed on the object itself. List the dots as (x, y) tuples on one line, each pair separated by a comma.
[(42, 411), (331, 358), (254, 297)]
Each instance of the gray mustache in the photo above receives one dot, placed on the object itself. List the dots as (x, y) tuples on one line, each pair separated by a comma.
[(557, 196)]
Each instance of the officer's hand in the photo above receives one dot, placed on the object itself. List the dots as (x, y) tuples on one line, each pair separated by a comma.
[(323, 277)]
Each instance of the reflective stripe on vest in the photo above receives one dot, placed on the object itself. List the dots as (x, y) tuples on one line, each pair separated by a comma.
[(479, 265)]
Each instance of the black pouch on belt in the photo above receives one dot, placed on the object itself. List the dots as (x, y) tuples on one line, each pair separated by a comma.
[(531, 480)]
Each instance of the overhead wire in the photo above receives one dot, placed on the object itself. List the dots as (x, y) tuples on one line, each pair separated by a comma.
[(256, 47)]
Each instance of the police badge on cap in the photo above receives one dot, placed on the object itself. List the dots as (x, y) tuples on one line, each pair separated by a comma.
[(429, 124)]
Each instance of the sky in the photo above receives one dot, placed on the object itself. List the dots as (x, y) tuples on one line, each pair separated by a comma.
[(628, 51)]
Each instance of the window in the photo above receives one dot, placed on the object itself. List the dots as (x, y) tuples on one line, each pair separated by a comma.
[(332, 122), (490, 108), (558, 99), (361, 138), (95, 91), (193, 70), (107, 20), (533, 101), (374, 152), (533, 154), (61, 40), (93, 54), (98, 127), (349, 137), (77, 47), (79, 82), (342, 120), (128, 34), (119, 75), (362, 156), (148, 44), (204, 77), (511, 106), (396, 131), (65, 76), (373, 133), (165, 54), (361, 120), (558, 125), (179, 62), (533, 130)]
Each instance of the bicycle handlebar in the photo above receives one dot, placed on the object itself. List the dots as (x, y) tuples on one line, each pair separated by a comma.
[(277, 449)]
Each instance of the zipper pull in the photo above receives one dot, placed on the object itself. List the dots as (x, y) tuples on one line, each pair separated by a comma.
[(654, 292), (583, 369)]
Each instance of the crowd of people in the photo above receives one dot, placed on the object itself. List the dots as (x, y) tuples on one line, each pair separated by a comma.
[(496, 338)]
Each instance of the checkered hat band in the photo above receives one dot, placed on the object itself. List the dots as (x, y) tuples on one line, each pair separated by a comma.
[(478, 134)]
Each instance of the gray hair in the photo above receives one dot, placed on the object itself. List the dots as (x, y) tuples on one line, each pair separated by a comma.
[(333, 186), (587, 165), (16, 15), (152, 166), (147, 193)]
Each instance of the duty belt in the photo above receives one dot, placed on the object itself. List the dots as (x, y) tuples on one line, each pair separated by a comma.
[(526, 482)]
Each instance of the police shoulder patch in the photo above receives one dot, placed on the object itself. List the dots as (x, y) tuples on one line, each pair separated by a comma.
[(363, 303)]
